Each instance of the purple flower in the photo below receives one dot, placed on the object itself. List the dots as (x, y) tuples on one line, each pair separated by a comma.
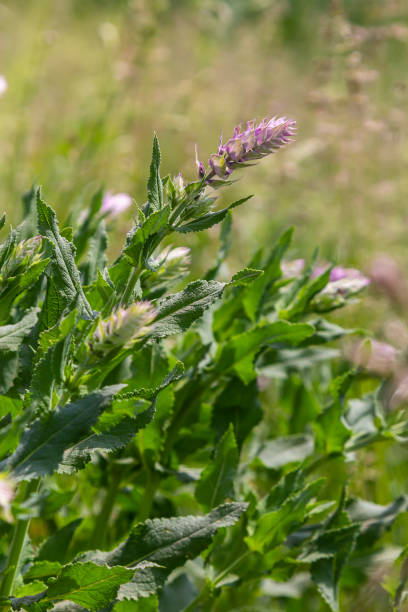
[(115, 204), (338, 273), (254, 142)]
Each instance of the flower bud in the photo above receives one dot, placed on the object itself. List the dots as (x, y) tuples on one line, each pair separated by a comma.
[(123, 328), (200, 165), (179, 187), (218, 165), (25, 253)]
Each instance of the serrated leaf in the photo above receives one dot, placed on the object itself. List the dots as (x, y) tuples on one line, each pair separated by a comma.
[(154, 184), (89, 585), (335, 547), (65, 287), (75, 457), (171, 541), (175, 313), (273, 527), (216, 483), (209, 219), (42, 569), (12, 336), (42, 446)]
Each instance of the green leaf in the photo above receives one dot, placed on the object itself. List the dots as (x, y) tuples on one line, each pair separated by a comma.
[(136, 246), (12, 336), (178, 594), (210, 219), (175, 313), (245, 277), (65, 287), (42, 569), (115, 438), (305, 295), (89, 585), (56, 547), (154, 184), (2, 220), (239, 352), (272, 528), (331, 429), (238, 404), (335, 547), (42, 446), (216, 483), (255, 294), (289, 449), (171, 541), (145, 604)]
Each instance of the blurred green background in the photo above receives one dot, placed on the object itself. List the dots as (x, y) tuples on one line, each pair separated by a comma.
[(90, 80)]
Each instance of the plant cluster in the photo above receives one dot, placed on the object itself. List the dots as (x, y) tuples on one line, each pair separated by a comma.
[(144, 466)]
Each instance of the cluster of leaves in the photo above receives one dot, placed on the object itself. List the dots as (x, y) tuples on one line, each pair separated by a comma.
[(151, 472)]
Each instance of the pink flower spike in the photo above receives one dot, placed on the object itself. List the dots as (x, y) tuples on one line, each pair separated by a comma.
[(115, 204)]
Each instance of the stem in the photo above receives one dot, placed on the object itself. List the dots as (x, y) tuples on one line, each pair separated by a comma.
[(100, 529), (205, 592), (201, 597), (152, 483), (134, 275), (230, 567), (19, 534)]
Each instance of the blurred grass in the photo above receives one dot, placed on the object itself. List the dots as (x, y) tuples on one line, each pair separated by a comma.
[(90, 80)]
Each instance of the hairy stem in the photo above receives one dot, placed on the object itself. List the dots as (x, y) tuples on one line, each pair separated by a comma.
[(19, 534)]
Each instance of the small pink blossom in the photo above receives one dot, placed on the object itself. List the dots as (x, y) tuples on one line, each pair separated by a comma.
[(3, 85), (115, 204), (374, 356)]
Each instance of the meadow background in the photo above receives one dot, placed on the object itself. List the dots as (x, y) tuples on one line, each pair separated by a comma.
[(90, 80)]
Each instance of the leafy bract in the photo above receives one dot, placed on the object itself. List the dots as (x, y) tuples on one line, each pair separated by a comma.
[(65, 287), (154, 184), (208, 220)]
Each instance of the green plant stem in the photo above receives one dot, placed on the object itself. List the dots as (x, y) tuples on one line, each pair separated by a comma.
[(206, 592), (19, 534), (132, 280), (98, 538), (152, 483), (201, 597), (148, 497), (179, 417)]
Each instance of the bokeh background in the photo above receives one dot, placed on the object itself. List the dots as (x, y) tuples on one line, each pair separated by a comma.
[(89, 81)]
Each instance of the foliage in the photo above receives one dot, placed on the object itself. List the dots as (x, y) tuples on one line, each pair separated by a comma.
[(147, 469)]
